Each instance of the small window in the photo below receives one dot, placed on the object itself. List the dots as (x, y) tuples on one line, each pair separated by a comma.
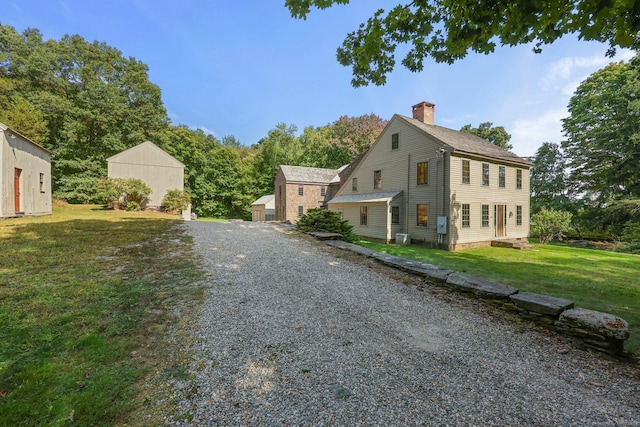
[(41, 182), (395, 215), (363, 215), (423, 173), (466, 215), (485, 174), (485, 215), (501, 176), (300, 210), (300, 190), (323, 191), (354, 184), (519, 179), (280, 190), (518, 215), (395, 141), (466, 172), (377, 180), (423, 215)]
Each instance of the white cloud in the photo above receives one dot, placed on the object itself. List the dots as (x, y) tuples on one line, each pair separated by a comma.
[(567, 73), (528, 135)]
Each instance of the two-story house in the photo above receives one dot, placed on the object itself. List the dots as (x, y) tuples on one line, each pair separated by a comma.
[(442, 187), (300, 188)]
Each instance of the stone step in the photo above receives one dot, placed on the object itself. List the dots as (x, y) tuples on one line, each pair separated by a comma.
[(542, 304)]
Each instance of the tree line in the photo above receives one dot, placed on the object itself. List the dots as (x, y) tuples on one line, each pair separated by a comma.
[(85, 102), (594, 173)]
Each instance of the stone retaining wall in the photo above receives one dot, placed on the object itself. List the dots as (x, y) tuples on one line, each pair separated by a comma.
[(586, 328)]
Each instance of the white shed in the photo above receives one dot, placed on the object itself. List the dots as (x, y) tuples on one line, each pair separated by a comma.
[(25, 168), (264, 209), (148, 162)]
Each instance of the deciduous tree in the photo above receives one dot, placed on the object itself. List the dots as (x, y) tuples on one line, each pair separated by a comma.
[(603, 133), (548, 179), (496, 135), (447, 30)]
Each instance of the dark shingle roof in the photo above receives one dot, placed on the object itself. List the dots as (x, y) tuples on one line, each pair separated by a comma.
[(466, 143), (305, 174)]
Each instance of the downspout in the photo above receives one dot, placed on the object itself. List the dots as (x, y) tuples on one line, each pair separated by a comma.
[(406, 211)]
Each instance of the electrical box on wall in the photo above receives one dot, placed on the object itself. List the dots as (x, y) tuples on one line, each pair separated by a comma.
[(442, 225)]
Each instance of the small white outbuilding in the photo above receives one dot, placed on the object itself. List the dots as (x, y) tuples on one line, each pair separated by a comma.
[(25, 169), (151, 164)]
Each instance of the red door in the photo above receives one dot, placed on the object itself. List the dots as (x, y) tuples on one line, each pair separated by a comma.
[(16, 188)]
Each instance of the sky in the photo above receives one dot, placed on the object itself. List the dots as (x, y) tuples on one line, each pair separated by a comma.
[(241, 67)]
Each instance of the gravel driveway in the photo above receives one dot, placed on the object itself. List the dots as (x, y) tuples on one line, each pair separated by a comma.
[(295, 333)]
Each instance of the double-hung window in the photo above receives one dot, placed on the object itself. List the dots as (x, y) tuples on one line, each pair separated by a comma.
[(395, 141), (422, 215), (466, 172), (300, 190), (377, 180), (485, 174), (502, 176), (363, 215), (395, 215), (466, 215), (423, 173), (354, 184), (519, 179), (485, 215)]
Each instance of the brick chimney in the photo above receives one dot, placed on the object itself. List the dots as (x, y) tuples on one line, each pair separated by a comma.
[(424, 112)]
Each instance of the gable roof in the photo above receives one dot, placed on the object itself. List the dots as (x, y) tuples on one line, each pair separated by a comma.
[(129, 155), (6, 128), (305, 174), (264, 200), (465, 143), (366, 197)]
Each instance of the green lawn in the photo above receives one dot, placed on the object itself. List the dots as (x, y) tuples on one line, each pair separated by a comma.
[(85, 297), (598, 280)]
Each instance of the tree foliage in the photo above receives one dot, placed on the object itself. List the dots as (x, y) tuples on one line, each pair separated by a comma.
[(447, 30), (175, 201), (326, 221), (550, 224), (603, 133), (85, 102), (548, 179), (496, 135), (130, 194), (95, 103)]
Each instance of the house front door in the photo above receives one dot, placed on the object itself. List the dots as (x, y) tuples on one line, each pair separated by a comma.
[(16, 188), (500, 213)]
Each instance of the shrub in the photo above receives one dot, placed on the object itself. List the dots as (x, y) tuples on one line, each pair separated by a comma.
[(550, 224), (324, 220), (175, 201), (131, 194)]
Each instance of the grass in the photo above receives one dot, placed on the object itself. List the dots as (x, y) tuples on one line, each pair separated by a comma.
[(86, 295), (598, 280)]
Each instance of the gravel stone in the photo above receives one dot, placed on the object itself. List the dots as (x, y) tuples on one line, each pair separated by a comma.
[(295, 333)]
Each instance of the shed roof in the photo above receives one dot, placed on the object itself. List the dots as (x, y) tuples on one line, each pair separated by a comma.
[(367, 197), (133, 155), (6, 128), (264, 200), (465, 143), (306, 174)]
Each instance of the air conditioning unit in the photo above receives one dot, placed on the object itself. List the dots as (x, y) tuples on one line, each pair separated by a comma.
[(403, 239)]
